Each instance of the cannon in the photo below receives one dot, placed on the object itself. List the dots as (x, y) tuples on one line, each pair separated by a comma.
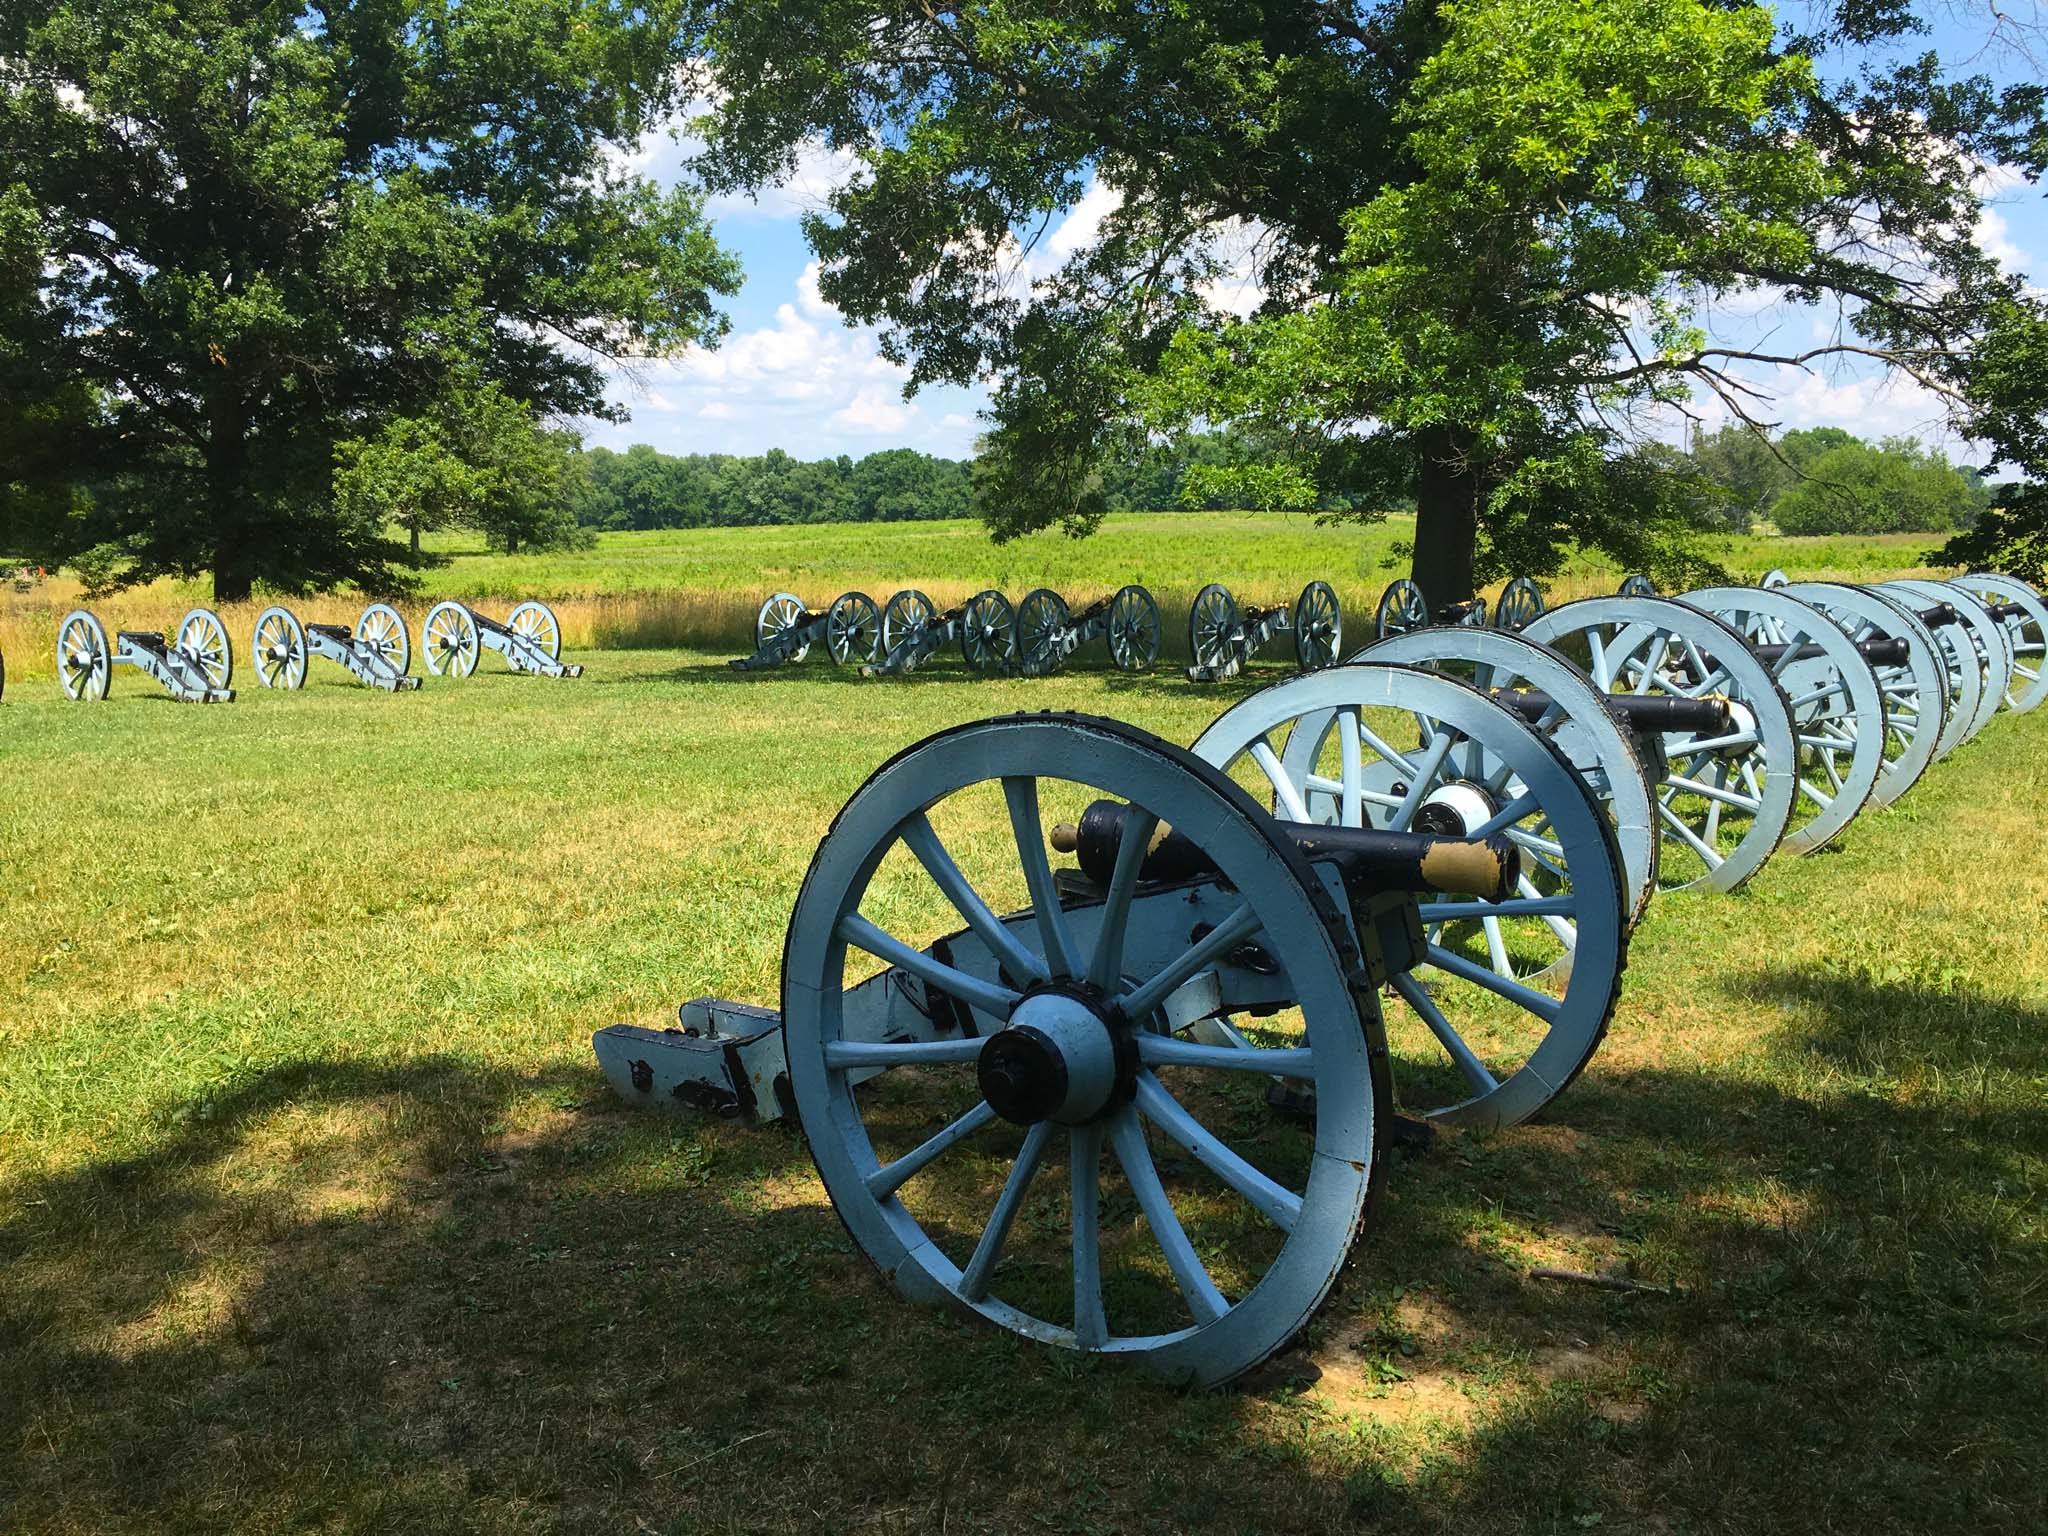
[(455, 636), (1636, 584), (785, 630), (1047, 633), (1198, 946), (195, 664), (377, 650), (1223, 638)]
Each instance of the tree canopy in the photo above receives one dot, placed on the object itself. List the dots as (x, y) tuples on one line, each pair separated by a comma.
[(236, 235), (1483, 235)]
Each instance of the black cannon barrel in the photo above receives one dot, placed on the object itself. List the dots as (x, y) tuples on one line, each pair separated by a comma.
[(1645, 714), (1885, 651), (1940, 613), (1368, 859), (2004, 611)]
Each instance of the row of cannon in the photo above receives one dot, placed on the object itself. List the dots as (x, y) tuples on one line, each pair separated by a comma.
[(1043, 969), (1040, 634), (195, 662)]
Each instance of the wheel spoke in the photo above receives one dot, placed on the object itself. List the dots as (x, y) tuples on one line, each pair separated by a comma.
[(1168, 1051), (1240, 925), (990, 997), (1105, 967), (1061, 954), (1419, 784), (1280, 1205), (1084, 1151), (1292, 807), (1677, 824), (920, 838), (1203, 1299), (981, 1267), (845, 1055), (886, 1180), (1541, 1004), (1417, 997)]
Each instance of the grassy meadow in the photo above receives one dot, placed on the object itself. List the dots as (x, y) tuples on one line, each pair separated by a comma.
[(316, 1214)]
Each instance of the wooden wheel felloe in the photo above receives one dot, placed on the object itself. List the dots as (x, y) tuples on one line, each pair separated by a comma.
[(986, 632), (1402, 608), (85, 661), (1318, 626), (203, 639), (853, 629), (278, 647), (1134, 629), (449, 640)]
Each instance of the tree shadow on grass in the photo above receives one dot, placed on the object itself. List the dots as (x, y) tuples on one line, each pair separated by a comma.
[(415, 1296), (1164, 680)]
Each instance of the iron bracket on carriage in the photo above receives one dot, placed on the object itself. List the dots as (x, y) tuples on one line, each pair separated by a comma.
[(194, 664), (455, 636), (1223, 638)]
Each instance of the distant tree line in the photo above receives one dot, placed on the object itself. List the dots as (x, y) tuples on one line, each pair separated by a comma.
[(645, 488), (1824, 480)]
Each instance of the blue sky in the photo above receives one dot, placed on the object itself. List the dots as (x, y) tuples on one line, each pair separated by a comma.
[(792, 374)]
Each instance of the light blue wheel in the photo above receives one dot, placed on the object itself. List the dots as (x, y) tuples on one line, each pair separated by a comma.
[(905, 618), (278, 647), (85, 662), (1516, 994), (203, 640), (381, 628), (1979, 658), (1318, 626), (1213, 633), (449, 640), (2027, 630), (1915, 690), (1242, 1237), (1575, 719), (1402, 607), (1520, 601), (1725, 796), (986, 626), (1837, 707)]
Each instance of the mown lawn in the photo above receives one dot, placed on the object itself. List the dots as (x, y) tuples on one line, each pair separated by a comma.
[(316, 1214)]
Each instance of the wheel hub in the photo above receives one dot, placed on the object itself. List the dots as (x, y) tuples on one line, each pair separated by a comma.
[(1057, 1059), (1455, 810)]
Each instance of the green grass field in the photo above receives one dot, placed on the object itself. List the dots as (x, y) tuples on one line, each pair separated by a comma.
[(315, 1213)]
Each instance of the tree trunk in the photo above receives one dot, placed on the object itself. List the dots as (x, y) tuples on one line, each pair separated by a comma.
[(227, 483), (415, 530), (1447, 495)]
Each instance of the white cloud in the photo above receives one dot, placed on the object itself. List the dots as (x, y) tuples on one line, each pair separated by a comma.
[(873, 410)]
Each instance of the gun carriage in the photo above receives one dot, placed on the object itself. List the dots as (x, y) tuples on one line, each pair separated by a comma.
[(455, 636), (1223, 638), (194, 664), (378, 650)]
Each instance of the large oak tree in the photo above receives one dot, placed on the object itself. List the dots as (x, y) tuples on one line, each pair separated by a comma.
[(1487, 233), (236, 233)]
